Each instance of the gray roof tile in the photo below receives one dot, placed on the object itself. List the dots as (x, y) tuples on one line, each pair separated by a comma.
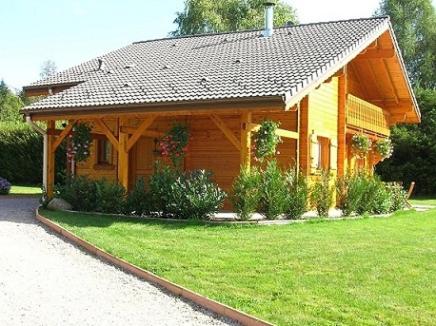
[(211, 67)]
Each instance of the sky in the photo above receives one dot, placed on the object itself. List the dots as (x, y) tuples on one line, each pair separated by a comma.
[(72, 31)]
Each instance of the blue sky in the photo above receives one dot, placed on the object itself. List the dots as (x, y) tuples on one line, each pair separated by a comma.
[(71, 31)]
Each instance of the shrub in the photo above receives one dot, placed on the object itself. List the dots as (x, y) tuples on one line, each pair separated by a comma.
[(381, 197), (298, 192), (195, 196), (246, 192), (138, 201), (350, 190), (21, 151), (398, 198), (110, 197), (161, 187), (5, 186), (80, 192), (273, 191), (321, 194)]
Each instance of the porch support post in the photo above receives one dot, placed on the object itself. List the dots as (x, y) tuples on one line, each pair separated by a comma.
[(246, 140), (123, 155), (304, 142), (342, 124), (50, 159)]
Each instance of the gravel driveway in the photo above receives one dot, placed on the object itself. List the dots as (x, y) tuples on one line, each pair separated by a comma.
[(45, 280)]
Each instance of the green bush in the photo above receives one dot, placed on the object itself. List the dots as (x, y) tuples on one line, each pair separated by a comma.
[(273, 192), (350, 190), (246, 192), (398, 198), (298, 192), (138, 200), (5, 186), (110, 197), (80, 192), (195, 196), (321, 195), (160, 185), (362, 193)]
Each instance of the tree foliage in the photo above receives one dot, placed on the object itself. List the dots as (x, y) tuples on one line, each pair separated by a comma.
[(10, 104), (209, 16), (48, 68)]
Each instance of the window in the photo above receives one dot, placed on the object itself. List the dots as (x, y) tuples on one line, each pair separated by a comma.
[(324, 153), (104, 152)]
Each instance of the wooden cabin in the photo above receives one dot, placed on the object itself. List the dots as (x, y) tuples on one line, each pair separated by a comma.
[(323, 82)]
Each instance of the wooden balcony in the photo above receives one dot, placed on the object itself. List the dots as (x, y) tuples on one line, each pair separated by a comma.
[(366, 116)]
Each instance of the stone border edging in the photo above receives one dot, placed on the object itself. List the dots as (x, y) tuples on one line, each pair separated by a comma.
[(175, 289)]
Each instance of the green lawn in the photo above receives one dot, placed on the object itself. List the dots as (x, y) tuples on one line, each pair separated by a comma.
[(353, 272), (423, 201), (25, 190)]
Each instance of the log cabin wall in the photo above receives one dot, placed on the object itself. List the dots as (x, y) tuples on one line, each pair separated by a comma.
[(208, 148)]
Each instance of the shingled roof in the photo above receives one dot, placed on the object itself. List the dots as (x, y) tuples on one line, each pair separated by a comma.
[(226, 66)]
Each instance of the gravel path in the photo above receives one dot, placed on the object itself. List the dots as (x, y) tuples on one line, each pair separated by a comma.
[(45, 280)]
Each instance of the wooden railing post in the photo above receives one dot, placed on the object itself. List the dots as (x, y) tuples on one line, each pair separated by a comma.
[(246, 140)]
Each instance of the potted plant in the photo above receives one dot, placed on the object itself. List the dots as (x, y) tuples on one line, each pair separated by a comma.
[(383, 147), (360, 144), (266, 140), (174, 144)]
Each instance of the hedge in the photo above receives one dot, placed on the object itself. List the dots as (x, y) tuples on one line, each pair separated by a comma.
[(21, 151)]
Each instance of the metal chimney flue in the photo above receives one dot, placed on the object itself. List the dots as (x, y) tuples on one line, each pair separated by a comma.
[(101, 64), (269, 18)]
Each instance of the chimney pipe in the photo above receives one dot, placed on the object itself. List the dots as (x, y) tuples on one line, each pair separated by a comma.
[(101, 64), (269, 18)]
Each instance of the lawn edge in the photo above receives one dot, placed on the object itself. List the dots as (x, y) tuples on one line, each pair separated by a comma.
[(175, 289)]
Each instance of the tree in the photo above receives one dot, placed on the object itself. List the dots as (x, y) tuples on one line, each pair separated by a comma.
[(414, 23), (10, 104), (48, 68), (210, 16)]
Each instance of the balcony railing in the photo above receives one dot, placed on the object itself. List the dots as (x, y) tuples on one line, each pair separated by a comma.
[(366, 116)]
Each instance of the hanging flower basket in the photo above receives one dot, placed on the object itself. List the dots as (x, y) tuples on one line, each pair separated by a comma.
[(266, 140), (360, 145), (384, 148), (174, 144), (81, 141)]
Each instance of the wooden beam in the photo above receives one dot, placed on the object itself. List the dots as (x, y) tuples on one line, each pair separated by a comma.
[(303, 148), (108, 133), (246, 140), (392, 84), (226, 131), (146, 133), (342, 125), (280, 132), (377, 54), (63, 134), (123, 156), (50, 161), (142, 127), (237, 108)]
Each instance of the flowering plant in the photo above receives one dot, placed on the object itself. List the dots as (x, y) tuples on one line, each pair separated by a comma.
[(5, 186), (266, 140), (360, 145), (384, 148), (81, 140), (174, 143)]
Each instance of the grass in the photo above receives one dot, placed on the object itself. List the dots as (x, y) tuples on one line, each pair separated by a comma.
[(423, 201), (354, 272), (25, 190)]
